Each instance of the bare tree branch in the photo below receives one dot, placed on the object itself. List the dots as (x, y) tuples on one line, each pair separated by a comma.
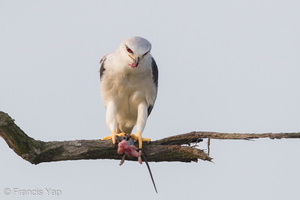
[(166, 149), (194, 135), (36, 151)]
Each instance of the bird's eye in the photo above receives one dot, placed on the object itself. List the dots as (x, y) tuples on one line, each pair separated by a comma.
[(129, 50)]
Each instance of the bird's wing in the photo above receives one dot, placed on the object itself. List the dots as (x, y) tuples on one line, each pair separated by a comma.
[(154, 72), (155, 82), (102, 68)]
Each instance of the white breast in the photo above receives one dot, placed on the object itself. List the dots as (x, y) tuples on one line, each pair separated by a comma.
[(127, 87)]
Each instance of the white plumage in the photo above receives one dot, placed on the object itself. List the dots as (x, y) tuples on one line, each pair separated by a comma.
[(129, 87)]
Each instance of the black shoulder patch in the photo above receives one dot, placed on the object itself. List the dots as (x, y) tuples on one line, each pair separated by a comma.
[(154, 72), (155, 81), (102, 68)]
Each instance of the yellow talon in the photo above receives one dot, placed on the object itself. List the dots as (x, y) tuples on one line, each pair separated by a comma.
[(113, 136), (138, 137)]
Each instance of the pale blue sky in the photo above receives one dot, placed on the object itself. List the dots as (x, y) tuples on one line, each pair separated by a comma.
[(228, 66)]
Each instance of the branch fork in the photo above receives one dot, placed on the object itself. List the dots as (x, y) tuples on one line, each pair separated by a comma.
[(170, 149)]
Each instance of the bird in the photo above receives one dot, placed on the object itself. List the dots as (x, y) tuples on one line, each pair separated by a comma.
[(129, 84)]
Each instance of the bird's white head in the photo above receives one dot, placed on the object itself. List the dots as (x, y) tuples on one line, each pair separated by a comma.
[(135, 50)]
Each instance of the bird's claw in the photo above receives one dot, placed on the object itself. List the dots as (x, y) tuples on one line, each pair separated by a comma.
[(113, 136), (138, 137)]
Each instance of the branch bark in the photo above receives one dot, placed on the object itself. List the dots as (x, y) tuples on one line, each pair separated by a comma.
[(166, 149), (36, 151)]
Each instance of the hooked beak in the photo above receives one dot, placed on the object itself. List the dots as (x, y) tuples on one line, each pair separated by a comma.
[(135, 62)]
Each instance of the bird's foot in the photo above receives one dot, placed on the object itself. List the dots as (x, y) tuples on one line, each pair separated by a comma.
[(138, 137), (113, 136)]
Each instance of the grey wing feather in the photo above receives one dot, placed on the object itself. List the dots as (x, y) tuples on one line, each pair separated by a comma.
[(154, 72), (102, 68), (155, 81)]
